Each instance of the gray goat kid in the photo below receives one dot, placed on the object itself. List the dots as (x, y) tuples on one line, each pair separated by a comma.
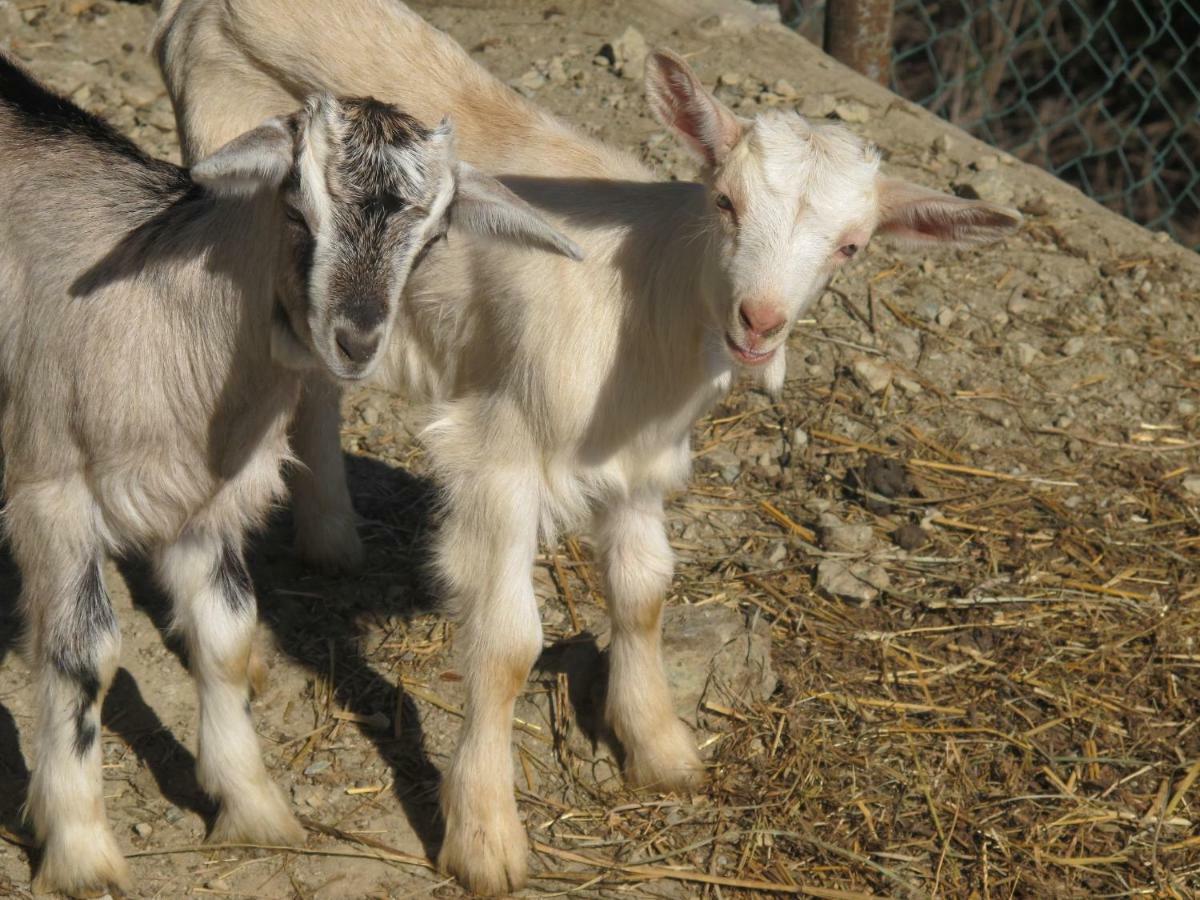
[(150, 323)]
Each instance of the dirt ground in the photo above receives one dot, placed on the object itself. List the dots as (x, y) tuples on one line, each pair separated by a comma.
[(970, 530)]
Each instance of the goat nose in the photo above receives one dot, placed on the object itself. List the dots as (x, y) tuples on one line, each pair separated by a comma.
[(761, 319), (357, 347)]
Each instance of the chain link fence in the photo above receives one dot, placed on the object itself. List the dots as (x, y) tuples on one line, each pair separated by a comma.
[(1106, 95)]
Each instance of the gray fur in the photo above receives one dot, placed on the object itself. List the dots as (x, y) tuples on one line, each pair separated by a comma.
[(141, 407)]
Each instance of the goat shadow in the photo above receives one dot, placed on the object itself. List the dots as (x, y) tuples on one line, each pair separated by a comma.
[(320, 637), (324, 637)]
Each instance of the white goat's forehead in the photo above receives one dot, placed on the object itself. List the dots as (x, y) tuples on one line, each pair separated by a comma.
[(822, 166)]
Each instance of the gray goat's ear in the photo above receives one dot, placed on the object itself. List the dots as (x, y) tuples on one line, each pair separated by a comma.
[(257, 160), (482, 205)]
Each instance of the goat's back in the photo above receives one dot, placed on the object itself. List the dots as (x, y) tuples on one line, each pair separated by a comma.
[(122, 302), (223, 59)]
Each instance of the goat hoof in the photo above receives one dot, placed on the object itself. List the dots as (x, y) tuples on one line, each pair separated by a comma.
[(82, 864), (487, 853), (257, 817), (667, 762), (331, 546)]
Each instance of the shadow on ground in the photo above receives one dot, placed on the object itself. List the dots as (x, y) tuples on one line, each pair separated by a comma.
[(318, 621)]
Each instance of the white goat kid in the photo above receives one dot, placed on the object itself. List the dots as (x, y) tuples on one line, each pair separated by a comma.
[(141, 408), (564, 395)]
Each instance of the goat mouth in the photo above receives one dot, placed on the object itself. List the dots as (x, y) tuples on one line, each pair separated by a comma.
[(746, 356)]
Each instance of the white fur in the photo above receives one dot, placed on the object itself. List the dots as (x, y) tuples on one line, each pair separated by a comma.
[(562, 395)]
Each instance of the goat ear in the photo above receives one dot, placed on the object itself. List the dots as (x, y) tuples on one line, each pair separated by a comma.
[(920, 215), (708, 128), (482, 205), (257, 160)]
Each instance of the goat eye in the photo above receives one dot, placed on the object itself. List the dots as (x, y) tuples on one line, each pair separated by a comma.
[(724, 203), (297, 218), (848, 250)]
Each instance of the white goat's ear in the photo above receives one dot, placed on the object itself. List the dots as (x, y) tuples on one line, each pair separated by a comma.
[(482, 205), (708, 128), (257, 160), (920, 215)]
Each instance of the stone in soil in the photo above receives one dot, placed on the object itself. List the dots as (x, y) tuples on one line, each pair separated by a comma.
[(711, 653), (910, 537), (861, 581), (838, 537)]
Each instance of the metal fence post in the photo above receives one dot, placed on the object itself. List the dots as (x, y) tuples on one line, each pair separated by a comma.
[(859, 34)]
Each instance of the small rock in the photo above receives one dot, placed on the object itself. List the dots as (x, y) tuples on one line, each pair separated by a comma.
[(945, 317), (799, 438), (218, 884), (910, 537), (1129, 358), (161, 117), (1074, 346), (994, 186), (906, 344), (1185, 406), (928, 309), (728, 463), (311, 795), (838, 537), (729, 79), (556, 71), (532, 80), (317, 767), (883, 478), (784, 89), (173, 814), (1191, 485), (1018, 304), (852, 111), (1038, 204), (1026, 354), (852, 581), (140, 94), (986, 163), (818, 106), (629, 52), (777, 553), (601, 60), (943, 144), (710, 652), (1094, 304), (143, 830), (875, 376), (369, 414)]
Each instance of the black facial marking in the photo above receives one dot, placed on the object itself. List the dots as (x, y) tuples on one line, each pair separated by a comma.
[(234, 580), (389, 204)]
